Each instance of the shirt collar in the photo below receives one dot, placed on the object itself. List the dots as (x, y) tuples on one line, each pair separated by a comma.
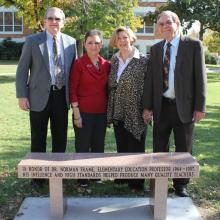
[(136, 54), (50, 36), (174, 42)]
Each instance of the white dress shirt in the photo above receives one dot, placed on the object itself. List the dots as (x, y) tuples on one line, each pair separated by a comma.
[(122, 64), (170, 92)]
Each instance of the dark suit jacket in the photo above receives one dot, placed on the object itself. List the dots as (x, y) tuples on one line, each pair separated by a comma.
[(189, 79), (33, 80)]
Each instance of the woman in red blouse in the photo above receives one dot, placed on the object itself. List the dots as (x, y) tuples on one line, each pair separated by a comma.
[(88, 95)]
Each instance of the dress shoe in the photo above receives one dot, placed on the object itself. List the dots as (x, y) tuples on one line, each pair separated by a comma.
[(37, 183), (136, 188), (181, 191), (120, 181)]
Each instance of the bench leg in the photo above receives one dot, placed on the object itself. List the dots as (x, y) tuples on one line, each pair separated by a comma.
[(158, 199), (57, 204)]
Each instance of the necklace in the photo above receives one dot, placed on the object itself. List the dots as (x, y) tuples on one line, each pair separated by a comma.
[(96, 64)]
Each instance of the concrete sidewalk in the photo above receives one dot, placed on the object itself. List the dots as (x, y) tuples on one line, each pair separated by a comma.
[(36, 208)]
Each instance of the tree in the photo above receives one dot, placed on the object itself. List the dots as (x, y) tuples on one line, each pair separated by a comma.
[(32, 11), (207, 12), (81, 15), (104, 15), (212, 41)]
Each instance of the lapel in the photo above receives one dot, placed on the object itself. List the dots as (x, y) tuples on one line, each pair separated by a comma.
[(115, 66), (66, 54), (180, 55), (160, 53), (42, 40), (159, 63)]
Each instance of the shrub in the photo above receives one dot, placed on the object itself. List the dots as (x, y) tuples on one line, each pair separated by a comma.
[(210, 59), (10, 50), (107, 52)]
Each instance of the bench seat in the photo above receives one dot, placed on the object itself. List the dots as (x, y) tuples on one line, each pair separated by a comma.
[(158, 167)]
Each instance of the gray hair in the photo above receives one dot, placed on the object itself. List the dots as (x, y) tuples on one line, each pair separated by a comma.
[(55, 9), (171, 14)]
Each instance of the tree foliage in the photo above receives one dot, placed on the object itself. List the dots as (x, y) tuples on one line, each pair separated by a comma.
[(207, 12), (104, 15), (212, 41), (81, 15), (32, 11)]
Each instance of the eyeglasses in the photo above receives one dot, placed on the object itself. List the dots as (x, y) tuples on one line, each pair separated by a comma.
[(54, 19), (169, 23), (94, 43)]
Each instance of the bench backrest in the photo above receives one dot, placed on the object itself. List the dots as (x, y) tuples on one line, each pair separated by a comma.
[(108, 165)]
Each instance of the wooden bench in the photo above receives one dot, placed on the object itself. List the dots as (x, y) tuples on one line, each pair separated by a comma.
[(156, 166)]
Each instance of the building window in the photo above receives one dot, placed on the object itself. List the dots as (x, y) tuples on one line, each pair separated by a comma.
[(10, 23), (148, 29)]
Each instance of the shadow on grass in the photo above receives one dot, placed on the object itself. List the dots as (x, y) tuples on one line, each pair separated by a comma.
[(7, 79), (8, 62), (213, 77), (206, 143)]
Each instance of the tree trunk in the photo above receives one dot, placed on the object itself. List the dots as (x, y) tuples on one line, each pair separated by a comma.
[(202, 30), (80, 47)]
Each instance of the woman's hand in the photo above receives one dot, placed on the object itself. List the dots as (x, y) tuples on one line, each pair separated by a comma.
[(147, 116), (77, 122), (77, 119)]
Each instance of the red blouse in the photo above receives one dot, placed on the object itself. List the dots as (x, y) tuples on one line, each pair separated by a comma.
[(88, 85)]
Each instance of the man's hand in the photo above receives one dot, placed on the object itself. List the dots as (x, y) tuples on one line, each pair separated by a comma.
[(197, 116), (147, 116), (23, 104)]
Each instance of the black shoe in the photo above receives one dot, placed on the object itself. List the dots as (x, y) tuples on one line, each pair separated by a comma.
[(120, 181), (181, 191), (37, 183)]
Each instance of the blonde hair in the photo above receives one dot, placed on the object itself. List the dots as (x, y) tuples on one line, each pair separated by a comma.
[(114, 38)]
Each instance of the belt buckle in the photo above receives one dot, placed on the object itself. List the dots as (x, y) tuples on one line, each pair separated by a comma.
[(54, 88), (172, 101)]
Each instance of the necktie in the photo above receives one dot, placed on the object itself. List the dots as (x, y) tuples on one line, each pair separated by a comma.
[(57, 64), (166, 66)]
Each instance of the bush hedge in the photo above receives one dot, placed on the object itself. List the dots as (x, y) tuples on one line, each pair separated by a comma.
[(10, 50), (210, 59)]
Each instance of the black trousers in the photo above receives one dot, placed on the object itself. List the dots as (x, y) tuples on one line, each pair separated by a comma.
[(57, 112), (126, 143), (170, 121), (91, 137)]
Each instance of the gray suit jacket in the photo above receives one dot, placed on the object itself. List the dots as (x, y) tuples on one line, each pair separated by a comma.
[(33, 80), (189, 80)]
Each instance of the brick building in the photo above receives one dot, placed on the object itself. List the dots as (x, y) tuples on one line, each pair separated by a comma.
[(10, 26), (148, 34)]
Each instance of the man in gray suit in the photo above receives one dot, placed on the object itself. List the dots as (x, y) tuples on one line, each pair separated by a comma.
[(42, 81), (174, 90)]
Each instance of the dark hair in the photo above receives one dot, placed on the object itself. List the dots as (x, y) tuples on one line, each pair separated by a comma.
[(93, 32)]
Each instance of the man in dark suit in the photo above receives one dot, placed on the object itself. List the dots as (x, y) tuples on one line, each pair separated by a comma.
[(174, 90), (42, 80)]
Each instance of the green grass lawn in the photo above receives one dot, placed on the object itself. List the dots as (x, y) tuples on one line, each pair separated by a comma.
[(8, 66), (15, 143), (211, 65)]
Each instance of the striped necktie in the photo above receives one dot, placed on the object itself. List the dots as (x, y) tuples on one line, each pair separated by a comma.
[(57, 64), (166, 67)]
